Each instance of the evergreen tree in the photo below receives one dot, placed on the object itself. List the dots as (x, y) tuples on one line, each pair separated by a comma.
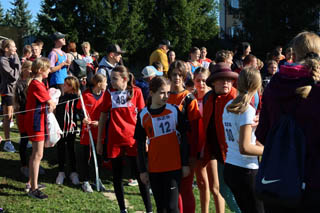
[(1, 15), (268, 23), (19, 16)]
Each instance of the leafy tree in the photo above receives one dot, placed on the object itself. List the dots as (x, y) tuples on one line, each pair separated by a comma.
[(268, 23), (184, 21), (136, 25)]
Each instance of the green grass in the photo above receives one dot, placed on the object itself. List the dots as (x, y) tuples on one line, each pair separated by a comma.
[(66, 198)]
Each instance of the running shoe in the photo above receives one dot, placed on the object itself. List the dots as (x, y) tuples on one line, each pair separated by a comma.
[(11, 123), (8, 147), (60, 178), (28, 187), (87, 187), (132, 182), (37, 194), (74, 177)]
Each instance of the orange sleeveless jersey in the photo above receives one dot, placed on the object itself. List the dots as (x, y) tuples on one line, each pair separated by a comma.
[(164, 148)]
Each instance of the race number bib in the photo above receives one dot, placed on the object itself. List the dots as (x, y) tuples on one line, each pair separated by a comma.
[(228, 131), (163, 125), (119, 99)]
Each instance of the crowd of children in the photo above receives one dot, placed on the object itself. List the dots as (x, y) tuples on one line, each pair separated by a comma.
[(197, 118)]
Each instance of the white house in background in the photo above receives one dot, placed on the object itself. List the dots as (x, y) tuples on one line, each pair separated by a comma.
[(229, 18)]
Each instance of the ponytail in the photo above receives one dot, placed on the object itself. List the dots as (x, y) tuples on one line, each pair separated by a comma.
[(249, 82), (314, 66), (240, 103), (130, 85)]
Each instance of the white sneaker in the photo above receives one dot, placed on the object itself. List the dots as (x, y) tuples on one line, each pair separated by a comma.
[(74, 177), (11, 124), (60, 178), (87, 187), (8, 147), (132, 182)]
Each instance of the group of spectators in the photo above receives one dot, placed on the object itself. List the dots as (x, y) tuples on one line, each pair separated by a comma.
[(202, 117)]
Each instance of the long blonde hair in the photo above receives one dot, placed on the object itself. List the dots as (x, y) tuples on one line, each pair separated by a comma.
[(249, 82), (303, 45)]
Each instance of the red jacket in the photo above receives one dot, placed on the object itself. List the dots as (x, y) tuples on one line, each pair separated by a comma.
[(220, 102)]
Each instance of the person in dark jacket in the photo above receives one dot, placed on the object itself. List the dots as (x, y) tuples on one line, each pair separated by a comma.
[(66, 117), (296, 86)]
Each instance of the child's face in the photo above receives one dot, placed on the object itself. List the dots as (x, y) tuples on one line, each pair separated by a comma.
[(67, 88), (200, 82), (191, 89), (229, 60), (195, 56), (117, 81), (272, 69), (11, 49), (36, 51), (26, 73), (222, 85), (160, 97), (176, 78), (103, 85), (45, 73), (86, 49)]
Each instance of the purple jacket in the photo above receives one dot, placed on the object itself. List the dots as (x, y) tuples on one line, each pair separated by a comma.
[(281, 91)]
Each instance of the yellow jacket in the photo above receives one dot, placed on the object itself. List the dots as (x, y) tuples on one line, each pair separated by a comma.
[(160, 55)]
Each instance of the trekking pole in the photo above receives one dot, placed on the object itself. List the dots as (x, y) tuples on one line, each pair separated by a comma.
[(92, 145)]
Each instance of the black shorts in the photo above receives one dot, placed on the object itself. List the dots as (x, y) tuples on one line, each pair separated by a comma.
[(7, 100)]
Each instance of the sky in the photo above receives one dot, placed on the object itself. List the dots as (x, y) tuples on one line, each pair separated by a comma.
[(33, 6)]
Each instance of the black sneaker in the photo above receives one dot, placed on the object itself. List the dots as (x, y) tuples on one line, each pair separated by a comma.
[(37, 194), (28, 187)]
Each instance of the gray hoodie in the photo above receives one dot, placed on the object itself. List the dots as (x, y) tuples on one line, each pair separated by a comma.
[(10, 69)]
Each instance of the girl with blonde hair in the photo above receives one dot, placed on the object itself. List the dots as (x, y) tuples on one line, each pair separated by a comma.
[(241, 165)]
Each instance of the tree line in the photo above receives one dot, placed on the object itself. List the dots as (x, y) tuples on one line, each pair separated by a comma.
[(138, 25)]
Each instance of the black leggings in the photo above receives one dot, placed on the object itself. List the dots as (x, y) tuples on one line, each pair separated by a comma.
[(61, 145), (118, 186), (165, 188), (85, 163), (242, 184), (23, 149)]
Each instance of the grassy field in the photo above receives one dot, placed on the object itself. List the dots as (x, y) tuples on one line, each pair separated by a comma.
[(66, 198)]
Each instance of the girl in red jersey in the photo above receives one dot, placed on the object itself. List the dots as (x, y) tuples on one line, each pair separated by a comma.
[(167, 155), (121, 105), (188, 105), (38, 99), (65, 114), (92, 98), (205, 165)]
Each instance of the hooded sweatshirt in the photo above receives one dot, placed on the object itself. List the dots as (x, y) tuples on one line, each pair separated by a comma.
[(281, 93)]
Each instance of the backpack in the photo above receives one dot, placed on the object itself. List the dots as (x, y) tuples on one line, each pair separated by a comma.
[(78, 67), (280, 178)]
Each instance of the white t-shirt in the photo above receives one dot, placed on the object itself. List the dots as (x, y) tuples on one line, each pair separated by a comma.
[(232, 123)]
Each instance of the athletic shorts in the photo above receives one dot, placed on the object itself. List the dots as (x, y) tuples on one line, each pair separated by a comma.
[(7, 100), (116, 151)]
